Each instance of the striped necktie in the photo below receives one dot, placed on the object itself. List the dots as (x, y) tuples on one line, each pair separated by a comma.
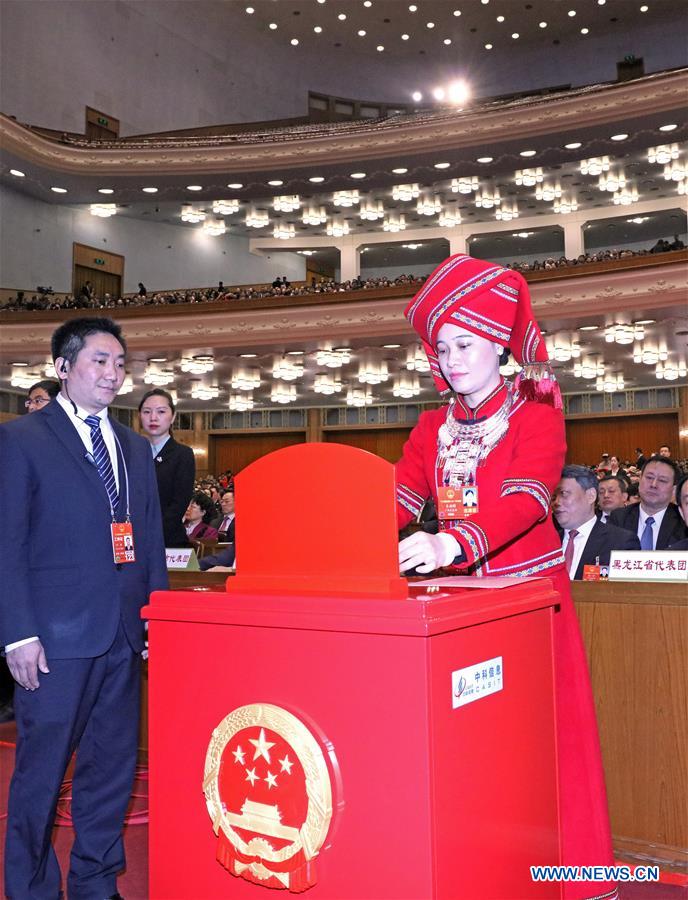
[(102, 459), (647, 537)]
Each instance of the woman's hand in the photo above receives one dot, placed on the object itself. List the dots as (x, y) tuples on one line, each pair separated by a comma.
[(427, 552)]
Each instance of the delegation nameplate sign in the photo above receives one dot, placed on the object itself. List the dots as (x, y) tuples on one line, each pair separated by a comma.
[(648, 565)]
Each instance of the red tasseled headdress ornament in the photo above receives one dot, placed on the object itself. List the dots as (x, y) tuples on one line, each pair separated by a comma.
[(492, 302)]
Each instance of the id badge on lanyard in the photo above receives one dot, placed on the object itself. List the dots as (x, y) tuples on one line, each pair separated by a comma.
[(457, 502), (123, 542)]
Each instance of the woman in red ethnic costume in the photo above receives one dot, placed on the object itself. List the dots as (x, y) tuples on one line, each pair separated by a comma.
[(490, 460)]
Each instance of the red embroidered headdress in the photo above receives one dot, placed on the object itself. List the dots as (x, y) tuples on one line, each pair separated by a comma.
[(492, 302)]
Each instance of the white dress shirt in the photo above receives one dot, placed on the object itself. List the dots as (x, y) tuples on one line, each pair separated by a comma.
[(84, 432), (579, 542), (656, 525)]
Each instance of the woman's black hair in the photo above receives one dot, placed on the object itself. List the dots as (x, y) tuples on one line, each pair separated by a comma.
[(157, 392)]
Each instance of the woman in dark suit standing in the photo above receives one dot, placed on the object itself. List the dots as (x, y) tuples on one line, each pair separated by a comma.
[(175, 466)]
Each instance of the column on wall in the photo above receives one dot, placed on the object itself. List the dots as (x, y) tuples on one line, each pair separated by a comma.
[(573, 238), (458, 241), (349, 259), (200, 446), (682, 423), (314, 431)]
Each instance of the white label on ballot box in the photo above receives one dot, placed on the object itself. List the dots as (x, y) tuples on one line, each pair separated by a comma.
[(477, 681)]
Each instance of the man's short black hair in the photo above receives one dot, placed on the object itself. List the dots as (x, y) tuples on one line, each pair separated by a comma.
[(68, 340), (679, 487), (585, 477), (665, 460), (623, 484), (51, 387)]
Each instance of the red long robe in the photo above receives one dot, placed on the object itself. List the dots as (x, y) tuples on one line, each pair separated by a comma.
[(512, 534)]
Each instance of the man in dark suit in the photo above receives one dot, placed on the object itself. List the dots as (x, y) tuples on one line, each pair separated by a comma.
[(72, 481), (682, 500), (655, 520), (225, 522), (586, 540)]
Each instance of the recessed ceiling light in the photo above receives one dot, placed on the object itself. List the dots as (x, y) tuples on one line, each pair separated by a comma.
[(601, 2), (316, 179), (59, 190), (317, 29), (442, 165), (430, 25), (194, 187), (405, 37), (572, 12), (588, 327), (619, 137), (341, 17), (275, 182), (272, 26), (17, 173), (527, 153), (484, 159), (400, 171), (20, 363), (380, 48), (250, 10), (248, 355), (157, 359), (488, 46), (367, 3), (500, 18), (484, 2), (358, 174), (643, 9), (413, 7), (457, 12), (149, 190), (447, 42), (515, 35), (294, 352), (574, 145), (670, 127), (644, 321), (361, 33), (235, 185), (105, 191), (391, 346), (294, 42), (438, 93), (543, 24), (585, 30)]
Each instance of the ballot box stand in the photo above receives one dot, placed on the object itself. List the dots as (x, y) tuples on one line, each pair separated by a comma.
[(432, 713)]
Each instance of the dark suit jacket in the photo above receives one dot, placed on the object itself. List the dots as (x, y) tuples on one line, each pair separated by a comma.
[(602, 540), (671, 530), (60, 581), (175, 470), (223, 557), (225, 535)]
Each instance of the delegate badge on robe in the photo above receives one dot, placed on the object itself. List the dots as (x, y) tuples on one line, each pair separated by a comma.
[(123, 542), (269, 796), (457, 502)]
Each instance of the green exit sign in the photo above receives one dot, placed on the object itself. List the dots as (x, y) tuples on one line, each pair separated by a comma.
[(98, 261), (103, 121)]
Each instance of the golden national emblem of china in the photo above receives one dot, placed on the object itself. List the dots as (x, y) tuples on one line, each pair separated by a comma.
[(269, 796)]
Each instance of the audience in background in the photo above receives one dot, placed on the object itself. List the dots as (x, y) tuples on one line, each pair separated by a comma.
[(587, 541), (612, 493), (41, 393), (195, 519), (655, 520), (682, 501)]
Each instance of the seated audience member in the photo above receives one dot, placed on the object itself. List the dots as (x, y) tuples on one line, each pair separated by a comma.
[(142, 290), (641, 458), (682, 500), (224, 557), (586, 540), (655, 520), (196, 528), (40, 394), (612, 493), (225, 524), (665, 451), (615, 467)]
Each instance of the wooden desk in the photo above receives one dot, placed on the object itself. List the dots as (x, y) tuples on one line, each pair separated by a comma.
[(636, 637)]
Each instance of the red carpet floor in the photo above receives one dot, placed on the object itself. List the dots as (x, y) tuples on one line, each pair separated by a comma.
[(133, 884)]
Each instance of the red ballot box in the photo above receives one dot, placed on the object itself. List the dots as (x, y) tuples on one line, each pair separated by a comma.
[(319, 728)]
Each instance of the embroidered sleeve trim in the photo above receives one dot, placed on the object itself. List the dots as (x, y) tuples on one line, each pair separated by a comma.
[(475, 537), (530, 486), (410, 499)]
